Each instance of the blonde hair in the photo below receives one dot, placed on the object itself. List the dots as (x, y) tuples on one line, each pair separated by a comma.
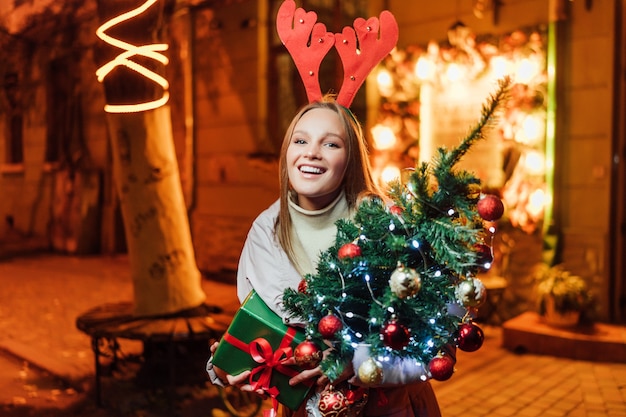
[(357, 180)]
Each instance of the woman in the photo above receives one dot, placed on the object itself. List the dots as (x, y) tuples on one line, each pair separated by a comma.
[(324, 170)]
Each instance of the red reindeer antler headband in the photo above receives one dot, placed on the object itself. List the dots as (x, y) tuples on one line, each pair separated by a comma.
[(360, 49)]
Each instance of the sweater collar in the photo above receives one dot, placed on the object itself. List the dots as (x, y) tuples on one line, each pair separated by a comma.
[(315, 213)]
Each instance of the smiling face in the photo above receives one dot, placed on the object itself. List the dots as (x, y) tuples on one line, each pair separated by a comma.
[(316, 158)]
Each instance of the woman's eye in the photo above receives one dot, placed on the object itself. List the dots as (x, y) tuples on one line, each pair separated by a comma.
[(299, 141), (332, 145)]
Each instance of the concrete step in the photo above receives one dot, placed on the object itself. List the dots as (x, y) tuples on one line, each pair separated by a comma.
[(528, 333)]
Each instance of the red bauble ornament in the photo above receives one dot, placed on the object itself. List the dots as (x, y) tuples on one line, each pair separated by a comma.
[(329, 326), (302, 286), (307, 355), (395, 335), (397, 210), (333, 403), (441, 367), (471, 337), (490, 207), (485, 257), (349, 250)]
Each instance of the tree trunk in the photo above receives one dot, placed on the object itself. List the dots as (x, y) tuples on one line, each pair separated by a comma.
[(165, 276)]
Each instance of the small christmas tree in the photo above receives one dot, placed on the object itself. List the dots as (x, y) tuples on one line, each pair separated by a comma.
[(401, 276)]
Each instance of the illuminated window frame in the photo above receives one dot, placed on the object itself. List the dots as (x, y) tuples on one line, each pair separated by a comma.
[(400, 79)]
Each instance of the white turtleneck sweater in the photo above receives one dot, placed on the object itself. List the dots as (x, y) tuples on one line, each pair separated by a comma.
[(264, 265), (314, 231)]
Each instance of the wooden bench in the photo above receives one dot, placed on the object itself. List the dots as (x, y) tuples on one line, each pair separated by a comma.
[(107, 323)]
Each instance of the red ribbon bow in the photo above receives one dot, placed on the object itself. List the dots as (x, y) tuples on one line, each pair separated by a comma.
[(261, 351)]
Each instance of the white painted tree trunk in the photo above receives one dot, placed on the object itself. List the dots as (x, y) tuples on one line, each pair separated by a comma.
[(165, 276)]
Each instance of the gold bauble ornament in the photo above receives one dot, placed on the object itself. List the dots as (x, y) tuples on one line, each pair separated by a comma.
[(370, 372)]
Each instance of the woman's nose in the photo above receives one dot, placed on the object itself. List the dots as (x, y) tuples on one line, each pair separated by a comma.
[(313, 152)]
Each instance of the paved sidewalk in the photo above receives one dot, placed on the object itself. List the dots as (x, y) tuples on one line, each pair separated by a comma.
[(42, 296), (52, 366), (45, 361)]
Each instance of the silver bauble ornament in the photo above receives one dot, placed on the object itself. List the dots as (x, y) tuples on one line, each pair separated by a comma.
[(471, 292), (405, 282)]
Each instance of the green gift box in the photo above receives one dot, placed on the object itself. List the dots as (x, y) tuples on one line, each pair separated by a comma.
[(258, 340)]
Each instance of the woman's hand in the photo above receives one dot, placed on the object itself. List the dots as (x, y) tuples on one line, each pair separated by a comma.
[(310, 374), (347, 374), (240, 381), (322, 379)]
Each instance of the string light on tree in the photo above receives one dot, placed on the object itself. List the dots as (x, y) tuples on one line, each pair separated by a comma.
[(484, 256)]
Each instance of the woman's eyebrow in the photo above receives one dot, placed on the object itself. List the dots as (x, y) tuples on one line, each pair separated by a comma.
[(326, 134)]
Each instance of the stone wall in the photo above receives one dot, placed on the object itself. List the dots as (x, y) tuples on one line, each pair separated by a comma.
[(584, 141), (235, 173)]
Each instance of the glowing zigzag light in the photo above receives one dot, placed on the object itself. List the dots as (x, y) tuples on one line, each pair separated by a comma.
[(150, 51)]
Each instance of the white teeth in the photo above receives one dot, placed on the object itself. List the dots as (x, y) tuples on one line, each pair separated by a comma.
[(310, 170)]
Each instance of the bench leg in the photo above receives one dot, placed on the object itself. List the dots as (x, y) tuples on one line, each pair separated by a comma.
[(95, 345)]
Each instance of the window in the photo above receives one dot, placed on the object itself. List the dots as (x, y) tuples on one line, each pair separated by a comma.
[(14, 136), (15, 143)]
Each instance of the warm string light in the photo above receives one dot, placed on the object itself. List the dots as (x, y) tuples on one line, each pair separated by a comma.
[(408, 80), (384, 138), (123, 59), (390, 173)]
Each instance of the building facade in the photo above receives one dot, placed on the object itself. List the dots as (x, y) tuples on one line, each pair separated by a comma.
[(231, 86)]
